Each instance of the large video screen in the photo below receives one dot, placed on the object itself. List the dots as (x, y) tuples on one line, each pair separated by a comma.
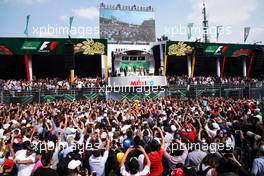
[(126, 25)]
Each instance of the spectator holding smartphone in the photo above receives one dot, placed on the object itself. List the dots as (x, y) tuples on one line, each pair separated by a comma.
[(133, 163)]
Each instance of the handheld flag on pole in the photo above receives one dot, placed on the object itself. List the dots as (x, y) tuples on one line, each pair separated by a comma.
[(189, 34), (71, 20), (246, 33), (26, 29)]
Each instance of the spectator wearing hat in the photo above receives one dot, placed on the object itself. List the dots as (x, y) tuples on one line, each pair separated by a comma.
[(25, 159), (7, 168), (74, 168), (212, 132), (133, 164)]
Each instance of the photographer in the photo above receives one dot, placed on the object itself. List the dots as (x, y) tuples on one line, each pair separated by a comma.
[(156, 154), (133, 164), (96, 161), (178, 153)]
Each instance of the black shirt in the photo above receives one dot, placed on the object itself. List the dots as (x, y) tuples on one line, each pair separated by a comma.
[(45, 172)]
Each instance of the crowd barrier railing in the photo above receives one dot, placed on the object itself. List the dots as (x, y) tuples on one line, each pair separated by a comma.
[(179, 91)]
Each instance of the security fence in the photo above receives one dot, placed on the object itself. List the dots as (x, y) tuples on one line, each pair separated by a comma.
[(195, 91), (191, 91), (43, 95)]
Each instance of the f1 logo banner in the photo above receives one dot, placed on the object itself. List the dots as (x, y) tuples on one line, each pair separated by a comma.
[(214, 50), (48, 46), (39, 46), (51, 46)]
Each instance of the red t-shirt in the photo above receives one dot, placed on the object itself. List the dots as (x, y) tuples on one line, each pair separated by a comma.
[(155, 158)]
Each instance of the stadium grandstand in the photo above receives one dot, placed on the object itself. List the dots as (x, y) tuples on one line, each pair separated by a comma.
[(126, 104)]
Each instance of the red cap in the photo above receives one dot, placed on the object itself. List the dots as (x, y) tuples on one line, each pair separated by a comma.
[(178, 172), (8, 164)]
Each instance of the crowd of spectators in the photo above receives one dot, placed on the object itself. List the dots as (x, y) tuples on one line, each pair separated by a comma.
[(50, 84), (79, 83), (165, 136), (210, 80), (115, 30)]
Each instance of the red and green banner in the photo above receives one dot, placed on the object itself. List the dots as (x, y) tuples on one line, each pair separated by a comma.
[(51, 46), (211, 49)]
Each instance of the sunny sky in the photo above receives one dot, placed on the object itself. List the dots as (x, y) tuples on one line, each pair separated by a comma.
[(172, 17)]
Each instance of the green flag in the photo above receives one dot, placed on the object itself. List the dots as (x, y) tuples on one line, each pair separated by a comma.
[(189, 34), (71, 19), (26, 29)]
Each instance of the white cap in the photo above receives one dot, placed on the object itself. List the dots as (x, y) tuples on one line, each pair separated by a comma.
[(73, 164), (259, 117), (97, 130), (103, 135), (173, 128), (125, 127), (250, 134), (257, 137), (157, 139), (23, 121), (25, 139), (215, 125), (6, 126), (168, 137)]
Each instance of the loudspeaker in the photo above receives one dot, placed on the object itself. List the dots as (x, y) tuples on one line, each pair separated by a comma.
[(156, 55), (69, 59), (113, 64)]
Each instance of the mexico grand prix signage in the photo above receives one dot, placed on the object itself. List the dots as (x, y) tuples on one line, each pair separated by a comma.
[(212, 49), (51, 46), (142, 82)]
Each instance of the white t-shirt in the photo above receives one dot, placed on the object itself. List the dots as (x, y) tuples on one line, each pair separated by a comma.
[(144, 172), (98, 164), (24, 169)]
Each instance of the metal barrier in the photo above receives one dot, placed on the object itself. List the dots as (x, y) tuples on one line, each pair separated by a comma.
[(42, 95), (193, 91), (238, 91)]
